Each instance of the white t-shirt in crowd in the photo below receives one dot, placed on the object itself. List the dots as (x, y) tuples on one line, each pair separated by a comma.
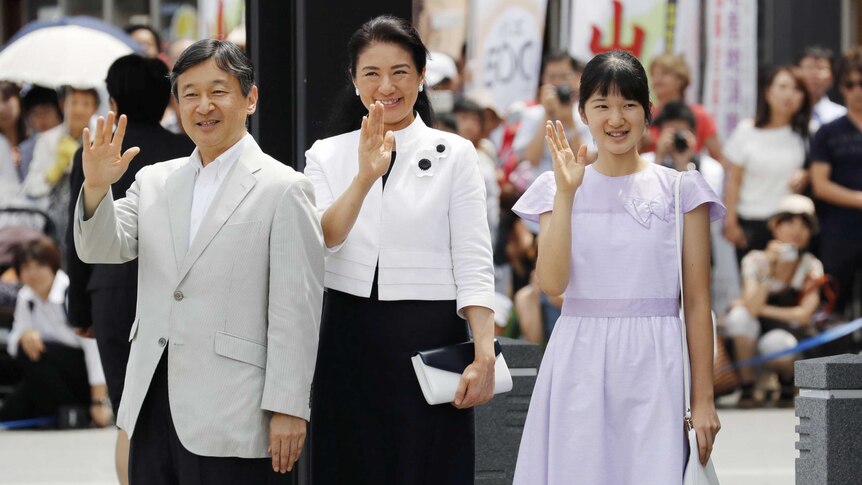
[(769, 158)]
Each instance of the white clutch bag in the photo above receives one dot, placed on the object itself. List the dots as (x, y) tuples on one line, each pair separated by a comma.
[(439, 370)]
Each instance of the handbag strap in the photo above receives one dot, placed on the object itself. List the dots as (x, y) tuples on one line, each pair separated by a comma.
[(686, 362)]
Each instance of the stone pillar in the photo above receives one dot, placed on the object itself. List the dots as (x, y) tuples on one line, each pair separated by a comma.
[(829, 408), (499, 424)]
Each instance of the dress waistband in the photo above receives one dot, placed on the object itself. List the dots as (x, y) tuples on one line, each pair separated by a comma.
[(637, 307)]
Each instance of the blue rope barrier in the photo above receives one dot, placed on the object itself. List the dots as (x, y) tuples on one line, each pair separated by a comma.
[(28, 423), (834, 333)]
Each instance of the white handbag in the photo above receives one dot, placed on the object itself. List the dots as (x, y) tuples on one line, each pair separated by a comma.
[(695, 473), (439, 370)]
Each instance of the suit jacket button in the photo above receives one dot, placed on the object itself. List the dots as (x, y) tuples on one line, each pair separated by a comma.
[(178, 295), (162, 342)]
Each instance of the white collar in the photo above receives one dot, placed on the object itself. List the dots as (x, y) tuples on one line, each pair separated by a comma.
[(224, 162), (414, 128), (57, 294)]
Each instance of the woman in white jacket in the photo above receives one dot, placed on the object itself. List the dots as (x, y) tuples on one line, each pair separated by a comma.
[(408, 256)]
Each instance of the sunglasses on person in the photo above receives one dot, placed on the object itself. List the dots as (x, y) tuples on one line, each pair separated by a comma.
[(849, 85)]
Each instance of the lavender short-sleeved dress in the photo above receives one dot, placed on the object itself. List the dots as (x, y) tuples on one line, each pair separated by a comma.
[(608, 405)]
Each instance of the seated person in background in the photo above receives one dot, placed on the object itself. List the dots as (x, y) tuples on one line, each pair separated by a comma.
[(780, 294), (58, 367)]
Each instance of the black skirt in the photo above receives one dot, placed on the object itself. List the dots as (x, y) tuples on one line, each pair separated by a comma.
[(370, 423)]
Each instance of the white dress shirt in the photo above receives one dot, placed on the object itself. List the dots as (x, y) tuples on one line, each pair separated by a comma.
[(208, 180), (48, 317), (825, 111)]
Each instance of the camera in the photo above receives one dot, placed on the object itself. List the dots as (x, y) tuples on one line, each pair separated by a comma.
[(564, 93), (788, 252), (680, 144)]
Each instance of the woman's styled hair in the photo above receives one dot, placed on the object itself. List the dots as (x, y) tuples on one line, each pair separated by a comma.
[(673, 63), (348, 109), (11, 90), (140, 87), (799, 121), (616, 71), (41, 250)]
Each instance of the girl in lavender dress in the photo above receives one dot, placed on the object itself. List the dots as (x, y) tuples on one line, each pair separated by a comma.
[(607, 407)]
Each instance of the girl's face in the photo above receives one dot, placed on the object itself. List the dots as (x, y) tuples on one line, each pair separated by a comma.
[(616, 123), (38, 276), (793, 231), (784, 96), (386, 72)]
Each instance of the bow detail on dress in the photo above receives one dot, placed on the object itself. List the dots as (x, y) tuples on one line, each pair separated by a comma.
[(642, 210)]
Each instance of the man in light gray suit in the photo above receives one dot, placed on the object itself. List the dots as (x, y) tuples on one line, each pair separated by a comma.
[(230, 257)]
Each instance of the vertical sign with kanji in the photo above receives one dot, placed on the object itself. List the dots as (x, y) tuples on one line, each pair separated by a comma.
[(730, 89)]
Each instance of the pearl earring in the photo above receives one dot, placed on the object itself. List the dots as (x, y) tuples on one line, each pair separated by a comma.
[(421, 88), (357, 91)]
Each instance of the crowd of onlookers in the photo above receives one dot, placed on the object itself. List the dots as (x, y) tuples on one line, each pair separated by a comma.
[(786, 258), (48, 368)]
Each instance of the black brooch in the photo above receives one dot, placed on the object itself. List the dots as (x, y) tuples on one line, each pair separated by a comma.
[(441, 148)]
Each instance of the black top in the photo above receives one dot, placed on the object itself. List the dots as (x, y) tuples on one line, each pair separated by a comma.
[(839, 144)]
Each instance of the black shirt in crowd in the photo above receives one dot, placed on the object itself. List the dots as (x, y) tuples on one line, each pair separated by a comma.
[(839, 144)]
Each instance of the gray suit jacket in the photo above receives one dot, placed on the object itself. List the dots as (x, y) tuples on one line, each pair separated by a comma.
[(238, 308)]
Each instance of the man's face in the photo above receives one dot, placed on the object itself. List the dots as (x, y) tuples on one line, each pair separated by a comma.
[(213, 109), (851, 89), (560, 73), (43, 117), (82, 106), (817, 75)]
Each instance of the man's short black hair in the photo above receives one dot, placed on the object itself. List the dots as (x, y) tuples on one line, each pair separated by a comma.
[(140, 87), (467, 106), (227, 56), (561, 55), (38, 96), (674, 111), (817, 52)]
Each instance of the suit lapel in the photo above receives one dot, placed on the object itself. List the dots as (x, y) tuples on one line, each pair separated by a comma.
[(180, 187), (236, 186)]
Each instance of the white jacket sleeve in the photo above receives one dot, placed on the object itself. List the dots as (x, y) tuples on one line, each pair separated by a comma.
[(472, 261)]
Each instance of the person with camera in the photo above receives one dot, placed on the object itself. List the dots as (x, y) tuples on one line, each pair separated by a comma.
[(779, 297), (676, 145), (558, 96)]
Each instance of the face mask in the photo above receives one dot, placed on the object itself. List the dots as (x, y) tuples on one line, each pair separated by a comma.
[(442, 101)]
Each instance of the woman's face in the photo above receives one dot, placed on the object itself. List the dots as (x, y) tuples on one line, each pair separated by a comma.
[(666, 85), (793, 231), (10, 110), (38, 276), (784, 96), (386, 72), (616, 123)]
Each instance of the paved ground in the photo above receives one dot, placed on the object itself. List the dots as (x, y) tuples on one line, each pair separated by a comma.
[(754, 448)]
